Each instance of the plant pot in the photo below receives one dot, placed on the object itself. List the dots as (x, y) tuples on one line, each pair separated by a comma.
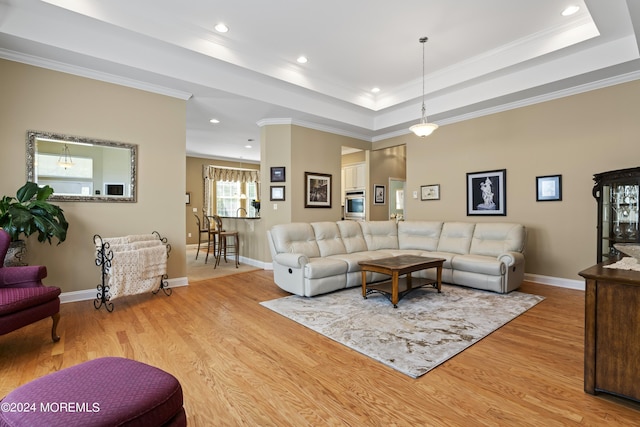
[(17, 251)]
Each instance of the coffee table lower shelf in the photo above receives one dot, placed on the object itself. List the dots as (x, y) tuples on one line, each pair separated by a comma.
[(385, 288)]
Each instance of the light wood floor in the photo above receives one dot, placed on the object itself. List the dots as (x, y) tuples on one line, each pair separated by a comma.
[(241, 364)]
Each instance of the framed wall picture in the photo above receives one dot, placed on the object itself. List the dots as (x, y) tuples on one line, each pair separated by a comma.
[(379, 193), (317, 190), (187, 198), (487, 193), (277, 193), (549, 188), (430, 192), (278, 174)]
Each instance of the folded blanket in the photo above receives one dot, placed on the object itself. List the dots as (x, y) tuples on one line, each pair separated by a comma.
[(153, 261), (137, 270), (136, 245), (113, 241), (141, 237), (130, 239)]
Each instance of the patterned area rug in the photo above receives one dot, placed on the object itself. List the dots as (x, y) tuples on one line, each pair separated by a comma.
[(424, 331)]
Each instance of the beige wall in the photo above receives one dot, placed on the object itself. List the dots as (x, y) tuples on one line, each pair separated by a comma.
[(385, 163), (357, 157), (34, 98), (575, 136)]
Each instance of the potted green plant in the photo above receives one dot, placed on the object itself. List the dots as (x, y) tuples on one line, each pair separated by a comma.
[(28, 213)]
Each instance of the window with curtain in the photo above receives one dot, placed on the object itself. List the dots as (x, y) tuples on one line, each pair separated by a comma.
[(229, 197), (226, 188)]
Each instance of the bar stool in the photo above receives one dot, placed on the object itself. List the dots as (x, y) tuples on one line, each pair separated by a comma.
[(212, 233), (202, 229), (223, 242)]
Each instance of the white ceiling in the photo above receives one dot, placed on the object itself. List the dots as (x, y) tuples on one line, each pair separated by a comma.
[(481, 57)]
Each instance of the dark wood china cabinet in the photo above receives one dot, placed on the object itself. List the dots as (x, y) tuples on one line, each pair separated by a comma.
[(617, 194)]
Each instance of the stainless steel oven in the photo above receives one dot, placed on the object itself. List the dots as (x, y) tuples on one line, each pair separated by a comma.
[(354, 205)]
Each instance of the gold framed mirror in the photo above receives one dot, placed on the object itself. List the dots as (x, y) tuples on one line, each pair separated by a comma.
[(82, 169)]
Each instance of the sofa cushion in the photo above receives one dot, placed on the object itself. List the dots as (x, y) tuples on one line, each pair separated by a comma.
[(423, 235), (352, 236), (380, 234), (493, 239), (324, 267), (479, 264), (17, 299), (296, 237), (328, 238), (447, 256), (353, 259), (456, 237)]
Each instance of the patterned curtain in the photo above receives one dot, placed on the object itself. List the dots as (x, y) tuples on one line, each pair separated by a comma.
[(219, 173)]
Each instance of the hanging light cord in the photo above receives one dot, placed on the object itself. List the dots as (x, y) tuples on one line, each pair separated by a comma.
[(423, 40), (424, 128)]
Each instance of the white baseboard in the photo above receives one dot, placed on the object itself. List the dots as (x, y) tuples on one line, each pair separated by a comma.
[(89, 294), (253, 262), (243, 260), (555, 281)]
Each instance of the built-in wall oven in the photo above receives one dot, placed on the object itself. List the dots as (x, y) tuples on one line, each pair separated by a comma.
[(354, 205)]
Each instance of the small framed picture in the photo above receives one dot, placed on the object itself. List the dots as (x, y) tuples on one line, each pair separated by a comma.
[(378, 195), (187, 198), (317, 190), (430, 192), (278, 174), (277, 193), (487, 193), (549, 188)]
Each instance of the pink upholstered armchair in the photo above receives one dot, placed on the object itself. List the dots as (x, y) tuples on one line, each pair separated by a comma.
[(23, 297)]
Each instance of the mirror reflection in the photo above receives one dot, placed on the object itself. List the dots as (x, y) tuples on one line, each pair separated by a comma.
[(82, 169)]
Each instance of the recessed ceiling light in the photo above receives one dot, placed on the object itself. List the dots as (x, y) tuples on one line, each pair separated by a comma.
[(247, 146), (214, 121), (570, 10), (302, 59), (375, 90), (221, 28)]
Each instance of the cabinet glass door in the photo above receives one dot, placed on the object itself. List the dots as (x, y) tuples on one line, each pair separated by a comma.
[(622, 215)]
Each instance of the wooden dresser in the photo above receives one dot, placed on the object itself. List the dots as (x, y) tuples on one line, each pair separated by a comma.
[(612, 331)]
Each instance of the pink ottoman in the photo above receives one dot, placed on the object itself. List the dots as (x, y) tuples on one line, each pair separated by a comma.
[(109, 391)]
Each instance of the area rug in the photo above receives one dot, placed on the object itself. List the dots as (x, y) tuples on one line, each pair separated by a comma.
[(424, 331)]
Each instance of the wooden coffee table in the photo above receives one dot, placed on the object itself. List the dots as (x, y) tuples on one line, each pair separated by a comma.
[(398, 266)]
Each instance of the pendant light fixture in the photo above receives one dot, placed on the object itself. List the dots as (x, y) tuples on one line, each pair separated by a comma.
[(424, 128), (65, 158)]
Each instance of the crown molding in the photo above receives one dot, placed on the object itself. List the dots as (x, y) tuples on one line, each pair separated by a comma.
[(312, 125), (92, 74)]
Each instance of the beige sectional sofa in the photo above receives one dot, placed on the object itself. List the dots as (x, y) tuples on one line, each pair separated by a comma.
[(315, 258)]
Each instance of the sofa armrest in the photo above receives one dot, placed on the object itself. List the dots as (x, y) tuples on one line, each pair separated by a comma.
[(22, 277), (511, 258), (291, 260)]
